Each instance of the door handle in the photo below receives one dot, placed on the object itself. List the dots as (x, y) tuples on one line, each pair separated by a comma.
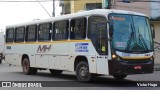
[(100, 57)]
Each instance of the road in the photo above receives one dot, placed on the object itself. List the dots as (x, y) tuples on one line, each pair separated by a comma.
[(68, 81)]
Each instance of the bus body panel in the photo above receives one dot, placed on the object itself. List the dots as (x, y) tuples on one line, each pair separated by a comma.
[(54, 62), (102, 61), (1, 46), (56, 58)]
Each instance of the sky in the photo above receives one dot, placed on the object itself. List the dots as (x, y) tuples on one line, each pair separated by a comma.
[(20, 12)]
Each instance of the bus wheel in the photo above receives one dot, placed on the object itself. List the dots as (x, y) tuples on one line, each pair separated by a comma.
[(55, 72), (120, 76), (26, 67), (0, 61), (82, 72)]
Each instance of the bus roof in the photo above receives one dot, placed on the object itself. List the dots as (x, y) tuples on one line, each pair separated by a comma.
[(75, 15)]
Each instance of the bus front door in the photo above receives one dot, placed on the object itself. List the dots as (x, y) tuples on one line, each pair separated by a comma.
[(99, 39)]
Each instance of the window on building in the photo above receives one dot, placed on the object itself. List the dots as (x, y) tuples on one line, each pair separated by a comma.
[(67, 9), (61, 30), (19, 34), (78, 28), (90, 6), (45, 31), (31, 33), (10, 35)]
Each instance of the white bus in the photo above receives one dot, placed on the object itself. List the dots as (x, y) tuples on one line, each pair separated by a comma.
[(96, 42), (1, 46)]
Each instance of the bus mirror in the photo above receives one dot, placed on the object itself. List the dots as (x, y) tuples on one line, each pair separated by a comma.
[(153, 30)]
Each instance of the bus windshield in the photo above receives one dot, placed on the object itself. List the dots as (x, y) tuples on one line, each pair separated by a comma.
[(131, 33)]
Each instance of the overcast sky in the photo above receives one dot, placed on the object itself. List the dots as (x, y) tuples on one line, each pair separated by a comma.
[(19, 12)]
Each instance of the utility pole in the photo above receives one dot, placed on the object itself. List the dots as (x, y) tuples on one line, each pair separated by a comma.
[(53, 13), (109, 4)]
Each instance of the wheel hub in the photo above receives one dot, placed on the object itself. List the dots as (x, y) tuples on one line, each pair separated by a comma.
[(83, 72)]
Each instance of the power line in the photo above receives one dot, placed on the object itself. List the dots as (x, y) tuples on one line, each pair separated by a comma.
[(44, 8), (156, 1), (30, 1), (24, 1)]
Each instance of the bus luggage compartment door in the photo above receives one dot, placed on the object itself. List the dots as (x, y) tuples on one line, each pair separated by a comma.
[(102, 65)]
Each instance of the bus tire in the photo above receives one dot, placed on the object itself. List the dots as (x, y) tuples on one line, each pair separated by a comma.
[(119, 76), (55, 72), (27, 69), (82, 72), (0, 61)]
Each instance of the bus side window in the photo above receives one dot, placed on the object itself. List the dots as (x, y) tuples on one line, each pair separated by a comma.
[(44, 33), (19, 34), (78, 28), (10, 35), (72, 29), (31, 33), (60, 30)]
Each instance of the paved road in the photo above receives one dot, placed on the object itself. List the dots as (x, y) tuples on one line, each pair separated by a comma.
[(68, 81)]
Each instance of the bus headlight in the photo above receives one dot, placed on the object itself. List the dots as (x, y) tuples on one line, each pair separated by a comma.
[(152, 58), (115, 57)]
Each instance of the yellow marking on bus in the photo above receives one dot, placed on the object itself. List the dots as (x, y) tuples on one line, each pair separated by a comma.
[(47, 42), (138, 58)]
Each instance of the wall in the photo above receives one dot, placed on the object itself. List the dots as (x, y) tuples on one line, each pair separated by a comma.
[(78, 5), (141, 7), (157, 39)]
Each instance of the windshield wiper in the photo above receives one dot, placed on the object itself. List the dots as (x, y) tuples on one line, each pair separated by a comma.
[(131, 37), (142, 39)]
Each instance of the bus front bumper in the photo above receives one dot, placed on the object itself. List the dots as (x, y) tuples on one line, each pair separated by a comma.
[(121, 67)]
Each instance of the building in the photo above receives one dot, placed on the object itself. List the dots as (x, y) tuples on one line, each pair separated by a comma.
[(73, 6), (142, 7)]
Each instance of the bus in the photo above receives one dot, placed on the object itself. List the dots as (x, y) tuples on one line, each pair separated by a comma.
[(1, 46), (89, 43)]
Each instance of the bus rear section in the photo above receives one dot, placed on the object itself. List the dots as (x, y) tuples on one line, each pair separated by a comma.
[(1, 46)]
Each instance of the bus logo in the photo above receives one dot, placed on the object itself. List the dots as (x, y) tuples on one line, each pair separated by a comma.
[(44, 48)]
